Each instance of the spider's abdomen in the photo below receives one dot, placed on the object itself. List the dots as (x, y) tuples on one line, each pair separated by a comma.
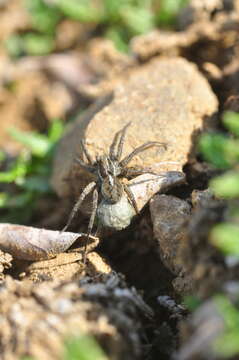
[(115, 216), (111, 189)]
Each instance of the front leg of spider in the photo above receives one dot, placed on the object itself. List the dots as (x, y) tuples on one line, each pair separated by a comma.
[(131, 198), (138, 150), (131, 172), (91, 222), (116, 147), (87, 190)]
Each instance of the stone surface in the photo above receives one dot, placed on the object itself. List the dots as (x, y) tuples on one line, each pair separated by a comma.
[(169, 215), (5, 263), (166, 100), (158, 42), (51, 312)]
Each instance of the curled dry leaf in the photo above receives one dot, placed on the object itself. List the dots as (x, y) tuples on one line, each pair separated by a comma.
[(119, 215), (29, 243), (145, 186)]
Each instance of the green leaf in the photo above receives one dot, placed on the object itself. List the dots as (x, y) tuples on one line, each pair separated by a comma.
[(225, 237), (37, 44), (112, 10), (138, 20), (192, 302), (220, 150), (169, 10), (44, 17), (82, 10), (3, 199), (18, 170), (2, 156), (119, 38), (227, 343), (83, 348), (55, 131), (14, 45), (226, 186), (231, 122), (37, 143)]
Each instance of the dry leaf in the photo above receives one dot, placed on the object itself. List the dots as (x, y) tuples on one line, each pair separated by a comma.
[(29, 243)]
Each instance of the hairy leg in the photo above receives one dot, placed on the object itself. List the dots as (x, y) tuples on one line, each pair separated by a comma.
[(87, 167), (146, 180), (91, 222), (131, 198), (112, 151), (117, 143), (76, 207), (85, 151), (121, 142), (132, 172), (139, 149)]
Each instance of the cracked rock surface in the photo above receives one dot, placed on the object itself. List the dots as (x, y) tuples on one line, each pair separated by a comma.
[(166, 100)]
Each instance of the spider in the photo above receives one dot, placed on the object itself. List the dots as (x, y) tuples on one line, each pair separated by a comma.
[(108, 170)]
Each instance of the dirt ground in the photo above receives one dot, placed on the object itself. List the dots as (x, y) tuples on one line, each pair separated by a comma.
[(128, 295)]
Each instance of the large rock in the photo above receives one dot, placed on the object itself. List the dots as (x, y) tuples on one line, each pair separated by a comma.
[(166, 100), (169, 217)]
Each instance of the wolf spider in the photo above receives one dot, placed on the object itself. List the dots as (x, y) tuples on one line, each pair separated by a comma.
[(108, 170)]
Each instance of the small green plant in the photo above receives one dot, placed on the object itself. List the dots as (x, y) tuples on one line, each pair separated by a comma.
[(222, 150), (117, 20), (168, 12), (83, 348), (26, 178), (226, 345)]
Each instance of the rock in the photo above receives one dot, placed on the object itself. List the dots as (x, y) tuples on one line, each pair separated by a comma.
[(201, 197), (200, 10), (169, 215), (232, 103), (169, 43), (5, 263), (53, 312), (165, 100), (202, 261)]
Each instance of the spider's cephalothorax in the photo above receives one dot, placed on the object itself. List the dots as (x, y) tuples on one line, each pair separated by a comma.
[(110, 186), (109, 170)]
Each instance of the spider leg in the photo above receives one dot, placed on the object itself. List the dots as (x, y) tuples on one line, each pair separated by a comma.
[(139, 149), (131, 172), (114, 151), (76, 207), (85, 166), (86, 152), (121, 142), (91, 222), (146, 180), (131, 198)]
